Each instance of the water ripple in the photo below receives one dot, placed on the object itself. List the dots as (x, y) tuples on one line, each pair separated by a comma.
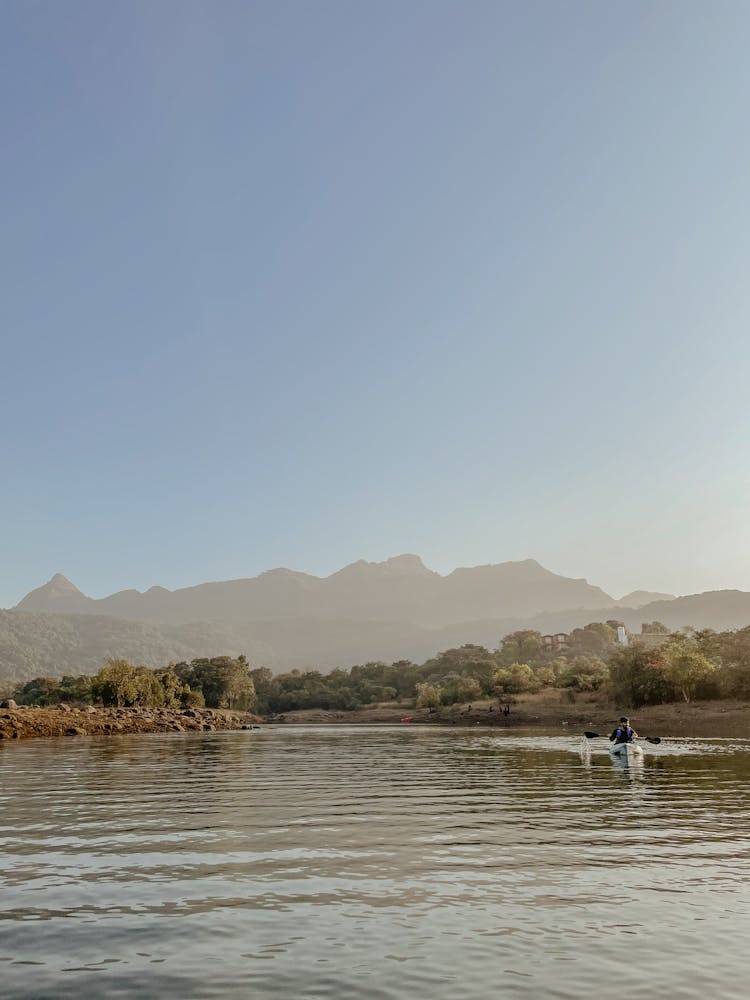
[(372, 862)]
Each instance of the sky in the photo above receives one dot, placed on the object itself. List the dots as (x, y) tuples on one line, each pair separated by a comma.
[(298, 284)]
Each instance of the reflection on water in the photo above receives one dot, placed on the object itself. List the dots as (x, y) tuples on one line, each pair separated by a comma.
[(372, 862)]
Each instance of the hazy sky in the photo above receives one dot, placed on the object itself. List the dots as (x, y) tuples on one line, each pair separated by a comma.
[(298, 283)]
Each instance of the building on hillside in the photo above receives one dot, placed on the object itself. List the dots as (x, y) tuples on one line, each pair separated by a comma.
[(555, 643), (650, 636)]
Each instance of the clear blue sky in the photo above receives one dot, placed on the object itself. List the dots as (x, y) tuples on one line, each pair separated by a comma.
[(299, 283)]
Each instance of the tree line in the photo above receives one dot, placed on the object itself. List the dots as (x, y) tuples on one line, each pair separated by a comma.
[(682, 665), (216, 682)]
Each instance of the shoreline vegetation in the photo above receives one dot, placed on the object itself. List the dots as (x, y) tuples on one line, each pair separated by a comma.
[(691, 682)]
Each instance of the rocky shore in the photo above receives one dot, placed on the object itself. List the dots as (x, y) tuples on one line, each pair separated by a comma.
[(22, 722)]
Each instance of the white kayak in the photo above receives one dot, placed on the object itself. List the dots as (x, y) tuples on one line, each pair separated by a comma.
[(626, 751)]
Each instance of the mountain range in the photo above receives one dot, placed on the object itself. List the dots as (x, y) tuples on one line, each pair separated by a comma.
[(398, 589), (396, 609)]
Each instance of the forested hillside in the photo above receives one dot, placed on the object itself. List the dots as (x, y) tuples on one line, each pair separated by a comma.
[(42, 643), (657, 667), (34, 645)]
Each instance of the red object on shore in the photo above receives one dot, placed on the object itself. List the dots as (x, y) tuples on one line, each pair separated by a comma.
[(407, 718)]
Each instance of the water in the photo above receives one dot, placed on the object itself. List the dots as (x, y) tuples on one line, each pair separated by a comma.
[(372, 862)]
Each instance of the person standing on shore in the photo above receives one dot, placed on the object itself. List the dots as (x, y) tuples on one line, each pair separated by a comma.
[(623, 733)]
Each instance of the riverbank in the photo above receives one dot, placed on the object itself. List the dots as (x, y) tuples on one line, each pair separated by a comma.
[(548, 710), (22, 722)]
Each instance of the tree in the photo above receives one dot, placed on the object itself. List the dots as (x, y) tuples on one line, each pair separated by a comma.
[(116, 683), (594, 639), (545, 676), (456, 688), (237, 686), (686, 668), (468, 660), (654, 628), (515, 679), (76, 689), (224, 682), (524, 646), (403, 676), (38, 691), (637, 677), (172, 687), (585, 673), (428, 696), (731, 652), (191, 699), (149, 690), (263, 682)]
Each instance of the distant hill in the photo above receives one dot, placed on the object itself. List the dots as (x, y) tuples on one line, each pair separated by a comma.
[(640, 597), (399, 589), (717, 609), (397, 609), (45, 644)]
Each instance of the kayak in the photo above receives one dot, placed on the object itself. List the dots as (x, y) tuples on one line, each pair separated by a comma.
[(626, 751)]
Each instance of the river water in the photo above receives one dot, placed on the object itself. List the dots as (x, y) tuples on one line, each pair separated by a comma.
[(372, 862)]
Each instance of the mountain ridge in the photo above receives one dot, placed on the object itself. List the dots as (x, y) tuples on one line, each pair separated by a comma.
[(400, 588)]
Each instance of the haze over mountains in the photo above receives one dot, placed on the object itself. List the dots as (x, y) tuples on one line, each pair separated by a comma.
[(399, 589), (396, 609)]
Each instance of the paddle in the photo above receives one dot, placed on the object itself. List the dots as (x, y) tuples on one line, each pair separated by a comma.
[(600, 736)]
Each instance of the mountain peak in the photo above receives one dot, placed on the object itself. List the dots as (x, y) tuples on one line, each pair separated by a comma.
[(638, 598), (406, 564), (59, 584), (58, 592), (403, 565)]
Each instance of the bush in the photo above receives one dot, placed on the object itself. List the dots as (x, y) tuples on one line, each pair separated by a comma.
[(585, 673), (515, 679)]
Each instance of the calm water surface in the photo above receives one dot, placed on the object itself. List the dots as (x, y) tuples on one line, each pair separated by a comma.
[(372, 862)]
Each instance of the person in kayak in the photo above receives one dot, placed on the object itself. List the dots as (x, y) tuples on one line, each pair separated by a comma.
[(623, 733)]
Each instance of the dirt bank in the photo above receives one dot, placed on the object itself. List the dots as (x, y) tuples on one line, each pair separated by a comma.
[(548, 710), (522, 710), (63, 720), (726, 719)]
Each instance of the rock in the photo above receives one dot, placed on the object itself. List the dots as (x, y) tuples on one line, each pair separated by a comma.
[(8, 703), (75, 731)]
